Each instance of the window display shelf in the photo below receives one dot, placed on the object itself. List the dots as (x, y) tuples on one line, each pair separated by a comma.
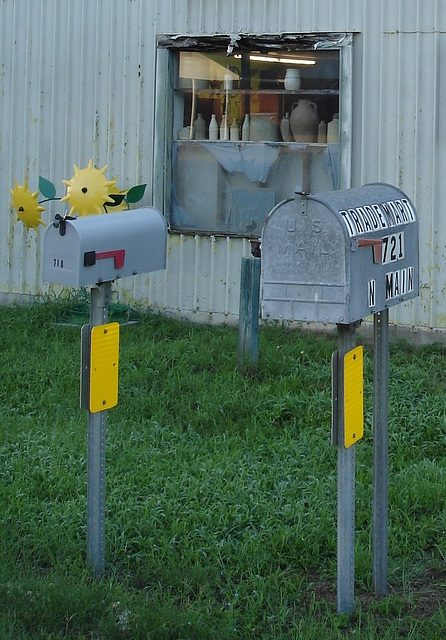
[(237, 144), (221, 92), (248, 131), (210, 92), (232, 186)]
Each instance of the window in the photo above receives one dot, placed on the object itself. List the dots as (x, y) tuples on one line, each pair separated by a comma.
[(252, 123)]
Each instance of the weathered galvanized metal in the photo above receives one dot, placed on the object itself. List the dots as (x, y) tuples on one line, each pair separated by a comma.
[(339, 256), (96, 450)]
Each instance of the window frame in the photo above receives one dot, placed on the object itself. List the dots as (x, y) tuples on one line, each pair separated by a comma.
[(165, 85)]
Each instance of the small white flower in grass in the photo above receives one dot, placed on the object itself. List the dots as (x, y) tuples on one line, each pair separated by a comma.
[(122, 619)]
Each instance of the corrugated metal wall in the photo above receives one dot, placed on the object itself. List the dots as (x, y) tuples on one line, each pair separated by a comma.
[(77, 82)]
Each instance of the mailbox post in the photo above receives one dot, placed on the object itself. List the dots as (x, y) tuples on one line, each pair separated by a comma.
[(346, 476), (94, 251), (380, 450), (337, 258), (97, 421)]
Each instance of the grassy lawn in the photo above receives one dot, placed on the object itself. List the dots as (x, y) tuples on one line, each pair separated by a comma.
[(221, 489)]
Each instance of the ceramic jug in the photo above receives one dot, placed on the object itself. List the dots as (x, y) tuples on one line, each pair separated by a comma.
[(333, 129), (263, 126), (199, 128), (304, 120)]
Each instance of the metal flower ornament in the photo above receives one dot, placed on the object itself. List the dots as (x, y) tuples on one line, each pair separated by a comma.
[(27, 207), (88, 193)]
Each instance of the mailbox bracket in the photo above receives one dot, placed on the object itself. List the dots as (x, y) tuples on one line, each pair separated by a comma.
[(60, 222), (303, 201)]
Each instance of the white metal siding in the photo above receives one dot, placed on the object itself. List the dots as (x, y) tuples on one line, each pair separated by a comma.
[(77, 82)]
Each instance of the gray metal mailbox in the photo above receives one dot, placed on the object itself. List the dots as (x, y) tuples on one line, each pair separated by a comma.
[(338, 257), (100, 248)]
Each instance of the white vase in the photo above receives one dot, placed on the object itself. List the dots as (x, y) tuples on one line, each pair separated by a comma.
[(292, 80), (227, 82)]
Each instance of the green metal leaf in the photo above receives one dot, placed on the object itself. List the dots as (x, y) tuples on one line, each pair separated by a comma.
[(47, 188), (117, 199), (135, 193)]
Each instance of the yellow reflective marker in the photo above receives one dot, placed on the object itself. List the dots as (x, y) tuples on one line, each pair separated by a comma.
[(104, 367), (353, 396)]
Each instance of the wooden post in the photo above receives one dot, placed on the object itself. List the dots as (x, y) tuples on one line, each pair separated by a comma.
[(248, 326)]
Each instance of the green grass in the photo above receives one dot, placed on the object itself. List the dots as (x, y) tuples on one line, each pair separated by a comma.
[(221, 489)]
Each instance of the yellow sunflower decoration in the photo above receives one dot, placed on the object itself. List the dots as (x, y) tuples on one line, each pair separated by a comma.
[(25, 203), (89, 190)]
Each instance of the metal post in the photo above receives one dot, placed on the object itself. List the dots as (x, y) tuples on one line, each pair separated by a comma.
[(346, 488), (380, 450), (248, 333), (99, 302), (306, 170)]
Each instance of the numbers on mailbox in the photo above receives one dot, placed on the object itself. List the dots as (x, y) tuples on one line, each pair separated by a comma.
[(58, 263), (393, 248)]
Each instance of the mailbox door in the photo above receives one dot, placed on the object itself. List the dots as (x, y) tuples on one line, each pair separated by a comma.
[(61, 261), (304, 264)]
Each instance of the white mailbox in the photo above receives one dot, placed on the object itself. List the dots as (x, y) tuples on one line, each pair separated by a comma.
[(100, 248)]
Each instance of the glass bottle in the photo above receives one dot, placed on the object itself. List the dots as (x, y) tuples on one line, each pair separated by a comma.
[(322, 131), (285, 127), (333, 129), (245, 128), (224, 129), (213, 128), (234, 131)]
